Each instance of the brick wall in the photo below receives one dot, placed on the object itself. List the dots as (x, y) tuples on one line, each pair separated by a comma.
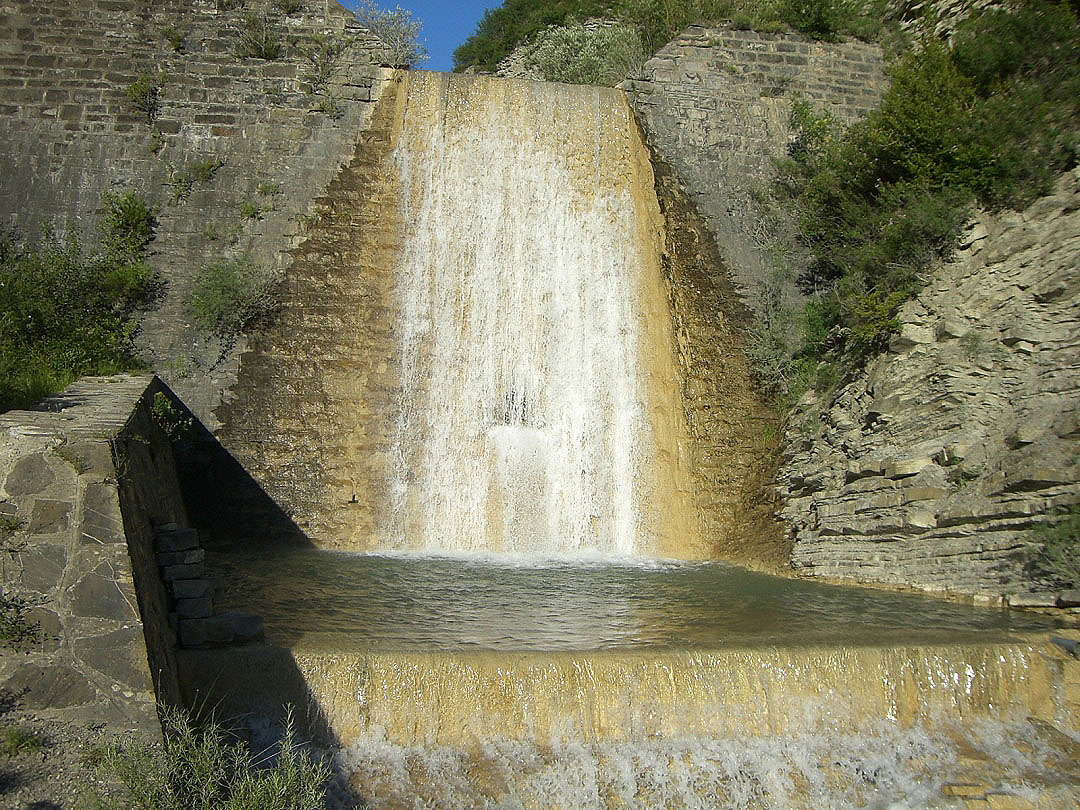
[(71, 132), (715, 104)]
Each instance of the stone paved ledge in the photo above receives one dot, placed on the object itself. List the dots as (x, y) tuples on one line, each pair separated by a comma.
[(83, 478)]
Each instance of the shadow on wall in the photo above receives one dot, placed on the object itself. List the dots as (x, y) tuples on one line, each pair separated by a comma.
[(224, 502), (258, 688)]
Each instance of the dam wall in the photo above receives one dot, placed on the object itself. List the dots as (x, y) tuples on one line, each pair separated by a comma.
[(230, 155), (84, 481), (715, 104), (466, 358)]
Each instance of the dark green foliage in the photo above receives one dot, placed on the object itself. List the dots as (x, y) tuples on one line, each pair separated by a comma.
[(145, 96), (66, 311), (228, 294), (289, 6), (1056, 557), (169, 416), (990, 122), (127, 223), (504, 28), (258, 38), (203, 768)]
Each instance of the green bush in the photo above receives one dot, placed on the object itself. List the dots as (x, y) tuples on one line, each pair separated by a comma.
[(396, 29), (229, 294), (515, 22), (989, 122), (257, 38), (577, 54), (145, 96), (1056, 556), (65, 311), (324, 54), (199, 767)]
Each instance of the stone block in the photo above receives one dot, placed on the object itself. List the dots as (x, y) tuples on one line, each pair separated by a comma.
[(103, 597), (49, 517), (176, 539), (193, 571), (120, 655), (221, 630), (1070, 598), (1033, 477), (167, 559), (29, 476), (924, 494), (1033, 599), (195, 608), (42, 567), (100, 520), (191, 588), (902, 468), (56, 686)]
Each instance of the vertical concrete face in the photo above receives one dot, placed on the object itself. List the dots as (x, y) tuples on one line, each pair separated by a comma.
[(312, 414), (81, 485)]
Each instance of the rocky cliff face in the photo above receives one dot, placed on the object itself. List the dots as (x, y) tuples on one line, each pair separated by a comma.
[(931, 468)]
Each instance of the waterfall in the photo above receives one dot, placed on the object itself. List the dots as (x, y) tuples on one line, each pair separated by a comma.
[(539, 410)]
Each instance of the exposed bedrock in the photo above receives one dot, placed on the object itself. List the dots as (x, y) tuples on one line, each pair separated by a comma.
[(931, 468)]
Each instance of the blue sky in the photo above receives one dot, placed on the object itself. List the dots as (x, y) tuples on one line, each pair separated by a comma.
[(446, 25)]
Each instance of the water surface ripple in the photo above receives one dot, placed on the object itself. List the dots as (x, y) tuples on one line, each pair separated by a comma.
[(409, 603)]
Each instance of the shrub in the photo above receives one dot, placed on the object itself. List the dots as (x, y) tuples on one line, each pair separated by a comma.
[(229, 294), (202, 768), (397, 30), (170, 418), (579, 54), (145, 96), (989, 122), (175, 37), (127, 223), (66, 312), (324, 53), (258, 38), (1056, 556), (16, 740), (288, 6)]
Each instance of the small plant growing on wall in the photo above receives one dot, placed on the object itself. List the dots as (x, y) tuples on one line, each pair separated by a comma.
[(127, 223), (182, 181), (397, 30), (258, 38), (288, 7), (175, 36), (324, 54), (170, 418), (230, 294), (145, 96), (1056, 555), (329, 106)]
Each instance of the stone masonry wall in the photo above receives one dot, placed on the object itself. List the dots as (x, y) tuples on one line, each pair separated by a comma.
[(70, 132), (932, 467), (715, 104), (83, 482)]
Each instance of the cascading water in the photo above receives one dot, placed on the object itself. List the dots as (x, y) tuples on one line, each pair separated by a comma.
[(538, 403), (525, 404)]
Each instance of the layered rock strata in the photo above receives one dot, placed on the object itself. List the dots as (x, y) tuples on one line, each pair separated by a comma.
[(932, 467)]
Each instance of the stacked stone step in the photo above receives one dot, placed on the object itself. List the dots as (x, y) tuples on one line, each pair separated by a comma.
[(181, 560)]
